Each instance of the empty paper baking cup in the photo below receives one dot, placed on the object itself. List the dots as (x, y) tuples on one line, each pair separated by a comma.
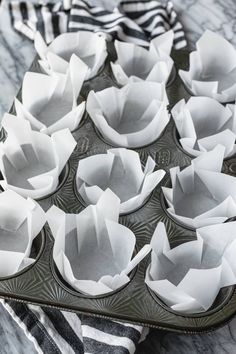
[(87, 46), (132, 116), (201, 195), (21, 221), (188, 278), (92, 251), (49, 103), (135, 63), (203, 123), (122, 172), (212, 70), (31, 162)]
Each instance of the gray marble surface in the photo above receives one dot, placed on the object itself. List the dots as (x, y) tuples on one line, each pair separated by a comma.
[(16, 55)]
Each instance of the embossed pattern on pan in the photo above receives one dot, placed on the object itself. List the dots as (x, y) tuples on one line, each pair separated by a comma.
[(134, 302)]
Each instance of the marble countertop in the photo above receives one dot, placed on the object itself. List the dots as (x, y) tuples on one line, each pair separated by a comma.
[(16, 55)]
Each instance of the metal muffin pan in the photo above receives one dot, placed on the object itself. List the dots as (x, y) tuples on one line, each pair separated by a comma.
[(42, 284)]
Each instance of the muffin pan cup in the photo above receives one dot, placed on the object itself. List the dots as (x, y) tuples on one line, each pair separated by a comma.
[(21, 221), (135, 302), (32, 162), (88, 46), (202, 123), (212, 71), (121, 171), (51, 103), (201, 194), (135, 63)]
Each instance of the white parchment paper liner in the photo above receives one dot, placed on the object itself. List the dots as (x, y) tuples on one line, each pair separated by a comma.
[(121, 171), (132, 116), (92, 251), (31, 162), (203, 123), (201, 195), (49, 103), (212, 70), (188, 277), (88, 46), (21, 221), (135, 63)]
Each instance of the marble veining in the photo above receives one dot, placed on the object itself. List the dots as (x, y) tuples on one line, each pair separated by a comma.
[(12, 337), (16, 55)]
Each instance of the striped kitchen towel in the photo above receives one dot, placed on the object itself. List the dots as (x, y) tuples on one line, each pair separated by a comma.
[(50, 19), (59, 332), (136, 21)]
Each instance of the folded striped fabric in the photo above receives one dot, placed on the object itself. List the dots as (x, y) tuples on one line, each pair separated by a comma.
[(59, 332), (132, 21), (50, 19)]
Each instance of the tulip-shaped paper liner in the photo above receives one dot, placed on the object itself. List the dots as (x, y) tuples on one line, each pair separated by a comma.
[(201, 195), (31, 162), (92, 251), (88, 46), (21, 221), (212, 70), (122, 172), (203, 123), (132, 116), (135, 63), (188, 277), (49, 103)]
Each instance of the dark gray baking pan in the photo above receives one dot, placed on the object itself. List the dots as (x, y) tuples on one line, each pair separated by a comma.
[(41, 283)]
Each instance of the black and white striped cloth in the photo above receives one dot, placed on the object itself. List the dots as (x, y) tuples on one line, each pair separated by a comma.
[(136, 21), (50, 19), (58, 332)]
